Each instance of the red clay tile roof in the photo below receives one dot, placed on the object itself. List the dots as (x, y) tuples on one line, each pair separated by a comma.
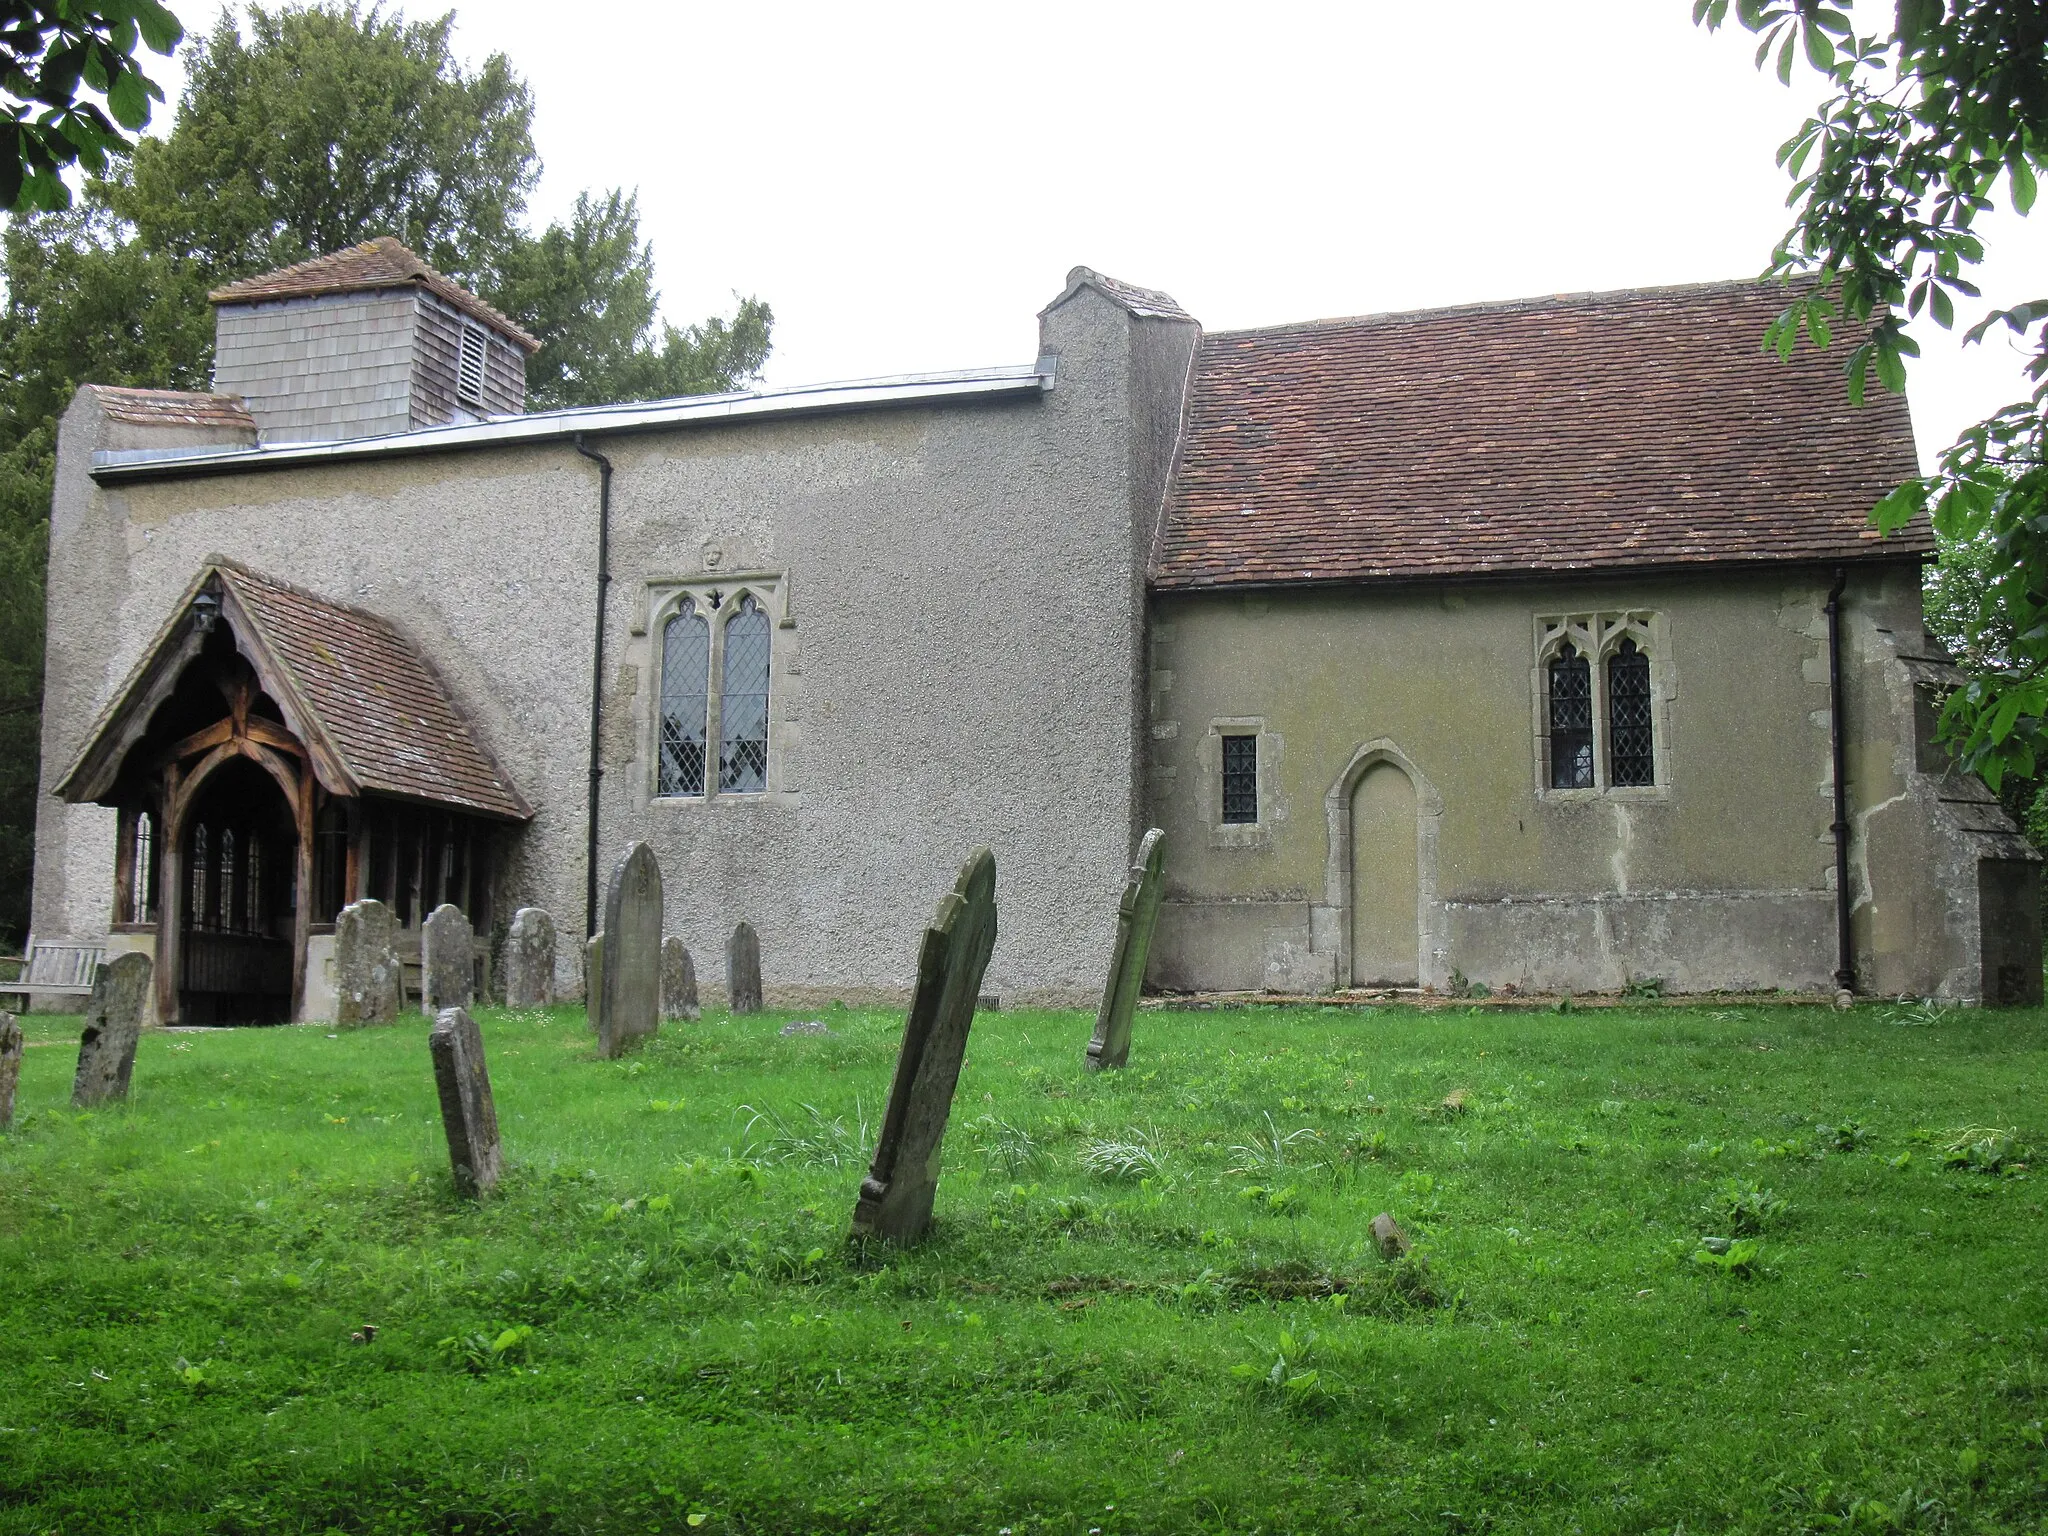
[(172, 408), (1570, 433), (378, 702), (379, 263)]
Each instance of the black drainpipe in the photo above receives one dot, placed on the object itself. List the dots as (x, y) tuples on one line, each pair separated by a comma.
[(604, 582), (1845, 953)]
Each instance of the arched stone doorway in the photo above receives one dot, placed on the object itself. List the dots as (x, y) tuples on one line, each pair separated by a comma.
[(1380, 881)]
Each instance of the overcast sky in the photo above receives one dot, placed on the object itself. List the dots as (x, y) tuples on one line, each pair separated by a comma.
[(908, 184)]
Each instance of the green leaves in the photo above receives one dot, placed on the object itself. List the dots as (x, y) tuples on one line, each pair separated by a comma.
[(49, 52)]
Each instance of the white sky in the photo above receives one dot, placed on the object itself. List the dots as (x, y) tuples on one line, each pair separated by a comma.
[(907, 184)]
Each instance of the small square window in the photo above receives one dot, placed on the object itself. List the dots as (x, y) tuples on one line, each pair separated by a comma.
[(1240, 780)]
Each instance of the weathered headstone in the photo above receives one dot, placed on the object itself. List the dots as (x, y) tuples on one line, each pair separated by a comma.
[(530, 960), (678, 982), (896, 1197), (467, 1112), (113, 1024), (593, 976), (10, 1067), (743, 970), (1388, 1237), (447, 960), (629, 999), (1135, 917), (369, 981)]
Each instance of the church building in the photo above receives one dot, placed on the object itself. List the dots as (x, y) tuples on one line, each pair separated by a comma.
[(1541, 645)]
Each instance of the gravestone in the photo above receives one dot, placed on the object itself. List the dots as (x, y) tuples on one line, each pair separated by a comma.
[(369, 982), (743, 970), (1135, 917), (467, 1112), (896, 1197), (447, 960), (1388, 1237), (113, 1024), (678, 982), (530, 960), (629, 997), (10, 1067), (593, 976)]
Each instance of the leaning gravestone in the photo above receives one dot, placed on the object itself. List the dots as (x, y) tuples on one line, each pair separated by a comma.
[(678, 982), (368, 978), (896, 1197), (10, 1067), (113, 1025), (467, 1112), (1135, 917), (593, 976), (743, 970), (447, 960), (530, 960), (629, 996)]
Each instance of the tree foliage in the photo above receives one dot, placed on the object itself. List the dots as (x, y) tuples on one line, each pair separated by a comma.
[(303, 130), (1935, 115), (49, 51)]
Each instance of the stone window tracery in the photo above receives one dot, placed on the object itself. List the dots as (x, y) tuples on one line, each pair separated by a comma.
[(685, 701), (743, 701), (716, 707), (1603, 683)]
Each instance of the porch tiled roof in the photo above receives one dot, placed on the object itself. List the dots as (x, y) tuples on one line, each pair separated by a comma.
[(380, 704), (1575, 433), (380, 263), (172, 408)]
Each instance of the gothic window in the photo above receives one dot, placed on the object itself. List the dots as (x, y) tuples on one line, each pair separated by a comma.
[(142, 893), (254, 923), (743, 701), (1240, 779), (229, 890), (200, 865), (685, 672), (1571, 720), (1630, 758)]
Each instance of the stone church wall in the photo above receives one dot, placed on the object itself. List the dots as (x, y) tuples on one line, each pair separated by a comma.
[(1719, 876), (957, 648)]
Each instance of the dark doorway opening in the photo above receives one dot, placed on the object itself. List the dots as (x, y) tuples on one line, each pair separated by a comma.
[(239, 900)]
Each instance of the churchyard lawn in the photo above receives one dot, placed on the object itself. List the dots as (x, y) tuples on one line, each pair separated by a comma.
[(1151, 1303)]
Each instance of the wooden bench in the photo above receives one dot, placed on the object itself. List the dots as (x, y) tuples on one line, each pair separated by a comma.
[(61, 968)]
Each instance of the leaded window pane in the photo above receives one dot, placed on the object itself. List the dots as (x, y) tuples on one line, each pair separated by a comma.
[(685, 676), (1571, 720), (228, 918), (743, 702), (1630, 756), (200, 865), (1240, 779)]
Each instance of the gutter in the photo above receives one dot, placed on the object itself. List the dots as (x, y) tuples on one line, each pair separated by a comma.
[(604, 582), (970, 387), (1845, 951)]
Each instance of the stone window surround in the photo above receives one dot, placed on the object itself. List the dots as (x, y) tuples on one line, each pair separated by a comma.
[(1596, 635), (1209, 782), (661, 598)]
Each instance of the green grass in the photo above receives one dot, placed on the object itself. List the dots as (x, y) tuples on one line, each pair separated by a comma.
[(1151, 1304)]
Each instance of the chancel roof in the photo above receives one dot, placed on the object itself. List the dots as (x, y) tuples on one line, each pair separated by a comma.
[(373, 712), (1577, 433), (380, 263), (172, 408)]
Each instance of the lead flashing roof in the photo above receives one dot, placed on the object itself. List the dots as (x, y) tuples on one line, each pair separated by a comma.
[(1575, 433)]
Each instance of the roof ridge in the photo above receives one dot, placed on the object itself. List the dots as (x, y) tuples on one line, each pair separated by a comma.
[(355, 269), (264, 578), (1580, 299)]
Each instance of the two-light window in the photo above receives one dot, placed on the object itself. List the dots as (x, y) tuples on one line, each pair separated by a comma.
[(1599, 715), (705, 637)]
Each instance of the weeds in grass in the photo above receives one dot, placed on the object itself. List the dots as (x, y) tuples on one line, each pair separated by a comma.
[(1007, 1149), (1983, 1149), (1919, 1015), (1743, 1208), (481, 1352), (1735, 1257), (815, 1142), (1123, 1160), (1271, 1152), (1643, 989), (1289, 1380), (1848, 1136)]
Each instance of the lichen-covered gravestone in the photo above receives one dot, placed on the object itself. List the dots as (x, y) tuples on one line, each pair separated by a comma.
[(896, 1197), (447, 960), (629, 996), (593, 975), (1135, 918), (467, 1112), (530, 960), (113, 1025), (369, 982), (10, 1066), (743, 970), (678, 982)]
